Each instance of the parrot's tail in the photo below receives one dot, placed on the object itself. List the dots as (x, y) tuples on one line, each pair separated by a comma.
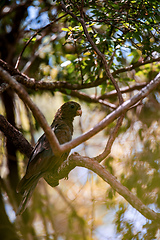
[(25, 198)]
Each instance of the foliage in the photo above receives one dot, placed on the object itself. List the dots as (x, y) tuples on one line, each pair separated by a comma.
[(46, 41)]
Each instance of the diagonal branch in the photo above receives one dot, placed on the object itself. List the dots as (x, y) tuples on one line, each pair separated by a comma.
[(82, 161), (115, 184), (99, 127), (35, 110), (113, 115)]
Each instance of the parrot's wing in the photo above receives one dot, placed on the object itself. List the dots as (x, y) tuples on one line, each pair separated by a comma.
[(42, 158), (40, 146)]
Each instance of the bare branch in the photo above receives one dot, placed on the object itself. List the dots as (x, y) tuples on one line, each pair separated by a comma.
[(82, 161), (87, 98), (113, 93), (115, 184), (113, 115)]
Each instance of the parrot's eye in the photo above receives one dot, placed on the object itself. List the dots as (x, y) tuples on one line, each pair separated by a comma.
[(72, 106)]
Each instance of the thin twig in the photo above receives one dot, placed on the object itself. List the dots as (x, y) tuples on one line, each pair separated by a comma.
[(33, 36), (113, 93), (135, 65), (111, 139)]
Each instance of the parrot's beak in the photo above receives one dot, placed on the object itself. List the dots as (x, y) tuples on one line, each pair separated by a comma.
[(79, 112)]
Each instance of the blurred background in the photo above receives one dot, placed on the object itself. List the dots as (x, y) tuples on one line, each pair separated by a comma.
[(83, 206)]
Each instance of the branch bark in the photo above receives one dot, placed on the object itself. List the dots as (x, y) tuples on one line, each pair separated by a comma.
[(111, 139)]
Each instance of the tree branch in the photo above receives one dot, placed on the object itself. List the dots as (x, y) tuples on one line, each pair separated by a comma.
[(61, 85), (115, 184), (87, 98), (76, 160), (113, 115), (33, 84)]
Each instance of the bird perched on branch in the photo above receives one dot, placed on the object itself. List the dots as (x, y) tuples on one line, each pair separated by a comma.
[(42, 160)]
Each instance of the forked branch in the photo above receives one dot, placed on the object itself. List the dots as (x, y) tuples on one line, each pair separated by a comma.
[(99, 127)]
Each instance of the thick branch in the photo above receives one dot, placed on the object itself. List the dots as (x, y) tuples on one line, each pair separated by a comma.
[(61, 85), (33, 84)]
